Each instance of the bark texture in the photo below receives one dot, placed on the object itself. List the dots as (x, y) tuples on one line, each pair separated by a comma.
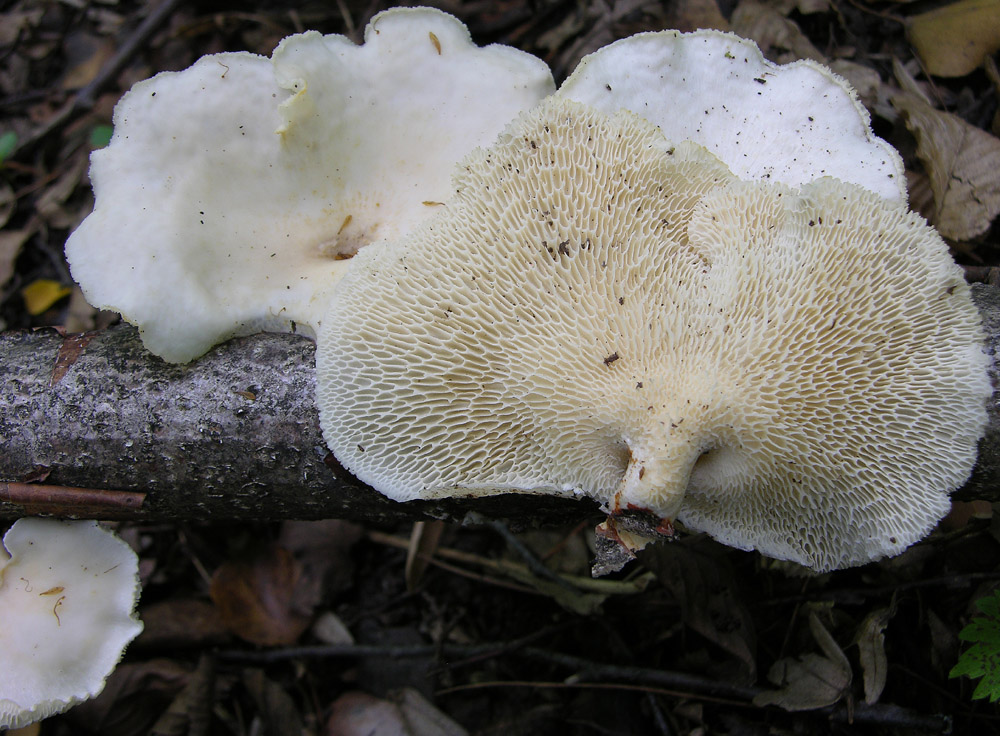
[(94, 426)]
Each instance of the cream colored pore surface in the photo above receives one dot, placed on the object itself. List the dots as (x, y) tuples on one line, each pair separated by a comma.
[(598, 312)]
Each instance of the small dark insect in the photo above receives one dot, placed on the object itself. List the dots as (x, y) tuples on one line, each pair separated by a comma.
[(611, 358)]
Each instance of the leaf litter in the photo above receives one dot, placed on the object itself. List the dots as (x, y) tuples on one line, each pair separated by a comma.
[(330, 628)]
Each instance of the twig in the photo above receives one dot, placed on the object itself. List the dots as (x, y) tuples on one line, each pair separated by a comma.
[(590, 685), (586, 584), (534, 564), (597, 675), (63, 501)]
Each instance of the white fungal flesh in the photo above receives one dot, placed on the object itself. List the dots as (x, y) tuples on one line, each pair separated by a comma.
[(792, 123), (230, 189), (67, 594), (598, 312)]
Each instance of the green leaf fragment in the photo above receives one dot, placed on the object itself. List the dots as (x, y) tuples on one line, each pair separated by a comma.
[(8, 142), (100, 136), (982, 659)]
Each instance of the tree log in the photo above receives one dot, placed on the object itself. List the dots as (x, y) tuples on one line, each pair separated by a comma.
[(94, 426)]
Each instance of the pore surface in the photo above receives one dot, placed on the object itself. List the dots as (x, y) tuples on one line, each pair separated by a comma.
[(600, 312)]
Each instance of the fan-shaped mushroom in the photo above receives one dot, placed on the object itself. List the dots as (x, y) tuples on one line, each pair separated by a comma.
[(600, 312), (67, 594), (230, 190), (791, 123)]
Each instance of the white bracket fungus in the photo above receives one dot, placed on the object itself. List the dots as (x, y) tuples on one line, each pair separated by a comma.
[(67, 594), (229, 190), (792, 123), (599, 312)]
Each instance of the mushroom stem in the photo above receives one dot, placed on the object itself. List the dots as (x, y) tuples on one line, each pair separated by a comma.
[(659, 471)]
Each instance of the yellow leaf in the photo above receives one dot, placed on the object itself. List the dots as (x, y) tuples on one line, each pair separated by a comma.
[(41, 294), (953, 41)]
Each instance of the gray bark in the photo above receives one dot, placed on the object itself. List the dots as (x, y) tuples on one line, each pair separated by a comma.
[(104, 429)]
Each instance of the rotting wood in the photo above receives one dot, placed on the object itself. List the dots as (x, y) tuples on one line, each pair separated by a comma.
[(232, 436)]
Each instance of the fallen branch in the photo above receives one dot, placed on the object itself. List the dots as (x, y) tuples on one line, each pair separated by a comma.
[(231, 436)]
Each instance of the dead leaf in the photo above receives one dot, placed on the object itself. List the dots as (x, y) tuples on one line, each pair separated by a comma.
[(277, 710), (993, 74), (424, 540), (690, 15), (404, 713), (871, 652), (69, 352), (86, 55), (954, 40), (40, 295), (51, 203), (7, 202), (323, 551), (700, 578), (330, 629), (11, 242), (962, 161), (80, 316), (16, 21), (181, 623), (255, 597), (810, 681), (189, 714), (132, 699), (773, 32)]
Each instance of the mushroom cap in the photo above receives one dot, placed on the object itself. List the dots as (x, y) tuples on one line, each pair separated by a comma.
[(67, 593), (790, 123), (599, 312), (230, 190)]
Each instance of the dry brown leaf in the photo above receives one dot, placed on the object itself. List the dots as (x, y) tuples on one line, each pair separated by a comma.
[(86, 55), (16, 21), (963, 163), (811, 681), (51, 205), (189, 714), (278, 712), (690, 15), (871, 652), (132, 699), (255, 597), (953, 41), (699, 577), (424, 540), (403, 713), (11, 242), (323, 550), (7, 202), (779, 38), (180, 623), (80, 315), (993, 74)]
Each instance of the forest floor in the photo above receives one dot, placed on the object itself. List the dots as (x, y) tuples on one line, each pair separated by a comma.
[(331, 627)]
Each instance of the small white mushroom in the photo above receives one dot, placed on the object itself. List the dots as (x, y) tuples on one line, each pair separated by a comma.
[(792, 123), (67, 595), (230, 191), (600, 312)]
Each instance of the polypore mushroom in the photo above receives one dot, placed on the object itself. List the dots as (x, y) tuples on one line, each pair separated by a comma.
[(231, 191), (792, 123), (600, 312), (67, 593)]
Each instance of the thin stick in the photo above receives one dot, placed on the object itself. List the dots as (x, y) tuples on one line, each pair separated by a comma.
[(64, 501)]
